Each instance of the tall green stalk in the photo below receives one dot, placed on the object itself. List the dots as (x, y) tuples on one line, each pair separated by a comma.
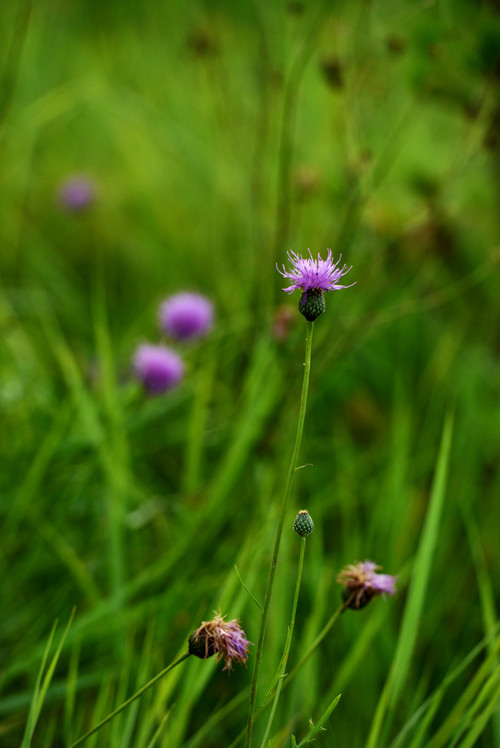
[(270, 691), (284, 661), (279, 531)]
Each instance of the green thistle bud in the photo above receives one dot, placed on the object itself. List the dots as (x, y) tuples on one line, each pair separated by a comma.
[(312, 303), (303, 524)]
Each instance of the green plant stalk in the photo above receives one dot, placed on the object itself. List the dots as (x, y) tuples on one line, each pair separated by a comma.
[(14, 54), (324, 631), (482, 719), (279, 531), (130, 700), (470, 719), (270, 691), (282, 671), (315, 728)]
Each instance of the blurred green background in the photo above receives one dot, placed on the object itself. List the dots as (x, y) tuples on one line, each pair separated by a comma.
[(219, 136)]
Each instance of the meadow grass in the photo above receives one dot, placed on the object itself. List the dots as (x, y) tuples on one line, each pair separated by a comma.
[(220, 135)]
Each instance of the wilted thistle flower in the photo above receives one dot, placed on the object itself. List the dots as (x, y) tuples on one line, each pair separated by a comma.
[(361, 582), (303, 524), (186, 315), (76, 193), (224, 639), (313, 278), (158, 368)]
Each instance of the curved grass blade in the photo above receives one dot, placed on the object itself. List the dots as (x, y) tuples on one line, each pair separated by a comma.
[(419, 580), (42, 686)]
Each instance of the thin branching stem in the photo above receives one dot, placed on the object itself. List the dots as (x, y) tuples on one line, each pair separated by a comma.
[(130, 700), (288, 643), (279, 531), (324, 631), (270, 691)]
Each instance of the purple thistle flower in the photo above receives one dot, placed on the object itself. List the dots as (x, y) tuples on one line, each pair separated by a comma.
[(76, 193), (186, 316), (158, 368), (313, 278), (308, 273), (224, 639), (361, 583)]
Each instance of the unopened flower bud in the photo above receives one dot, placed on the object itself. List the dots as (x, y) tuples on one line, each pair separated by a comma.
[(303, 524)]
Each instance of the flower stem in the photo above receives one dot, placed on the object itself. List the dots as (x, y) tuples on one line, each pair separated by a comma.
[(315, 644), (279, 531), (282, 671), (129, 701), (324, 631)]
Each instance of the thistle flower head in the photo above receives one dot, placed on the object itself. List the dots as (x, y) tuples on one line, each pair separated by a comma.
[(361, 582), (308, 273), (313, 278), (224, 639), (158, 368), (76, 193), (186, 316)]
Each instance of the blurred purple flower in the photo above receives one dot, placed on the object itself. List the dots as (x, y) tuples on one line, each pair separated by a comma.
[(224, 639), (283, 320), (76, 193), (361, 583), (308, 273), (158, 368), (186, 316)]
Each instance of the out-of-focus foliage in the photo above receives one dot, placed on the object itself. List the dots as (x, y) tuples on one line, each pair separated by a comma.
[(219, 135)]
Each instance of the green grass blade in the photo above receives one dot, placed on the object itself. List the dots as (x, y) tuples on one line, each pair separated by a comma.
[(311, 735), (486, 591), (42, 686), (448, 727), (424, 714), (31, 723), (483, 719), (418, 586)]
